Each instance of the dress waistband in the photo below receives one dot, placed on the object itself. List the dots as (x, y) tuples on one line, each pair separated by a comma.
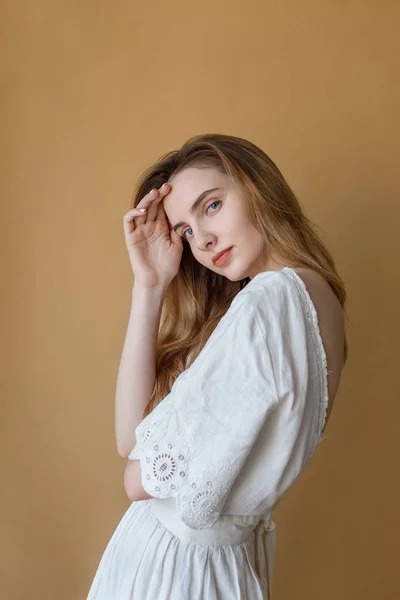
[(227, 530)]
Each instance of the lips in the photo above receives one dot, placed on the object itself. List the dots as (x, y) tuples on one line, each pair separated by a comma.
[(221, 254)]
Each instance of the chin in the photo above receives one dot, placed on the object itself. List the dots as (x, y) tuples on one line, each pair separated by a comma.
[(229, 272), (239, 278), (234, 275)]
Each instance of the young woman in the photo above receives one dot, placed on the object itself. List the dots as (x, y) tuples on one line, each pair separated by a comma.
[(231, 364)]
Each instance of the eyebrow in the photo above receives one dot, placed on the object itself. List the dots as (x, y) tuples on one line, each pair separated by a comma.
[(195, 205)]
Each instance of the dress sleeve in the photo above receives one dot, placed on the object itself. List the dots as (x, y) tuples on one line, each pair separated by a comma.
[(194, 444)]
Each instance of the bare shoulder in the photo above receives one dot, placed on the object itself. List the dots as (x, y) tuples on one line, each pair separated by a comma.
[(331, 324)]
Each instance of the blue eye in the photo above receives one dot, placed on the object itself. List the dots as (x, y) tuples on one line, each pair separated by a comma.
[(184, 233), (189, 228), (215, 202)]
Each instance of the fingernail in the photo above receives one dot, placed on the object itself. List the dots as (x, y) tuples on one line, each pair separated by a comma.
[(142, 209)]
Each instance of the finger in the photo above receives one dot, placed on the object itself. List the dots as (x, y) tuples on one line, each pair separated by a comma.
[(154, 194), (161, 216), (153, 208), (152, 197), (130, 219), (145, 202)]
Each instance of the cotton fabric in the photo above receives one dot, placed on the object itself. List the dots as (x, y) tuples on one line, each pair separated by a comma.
[(220, 451)]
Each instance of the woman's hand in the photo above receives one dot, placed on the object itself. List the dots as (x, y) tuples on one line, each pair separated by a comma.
[(155, 250)]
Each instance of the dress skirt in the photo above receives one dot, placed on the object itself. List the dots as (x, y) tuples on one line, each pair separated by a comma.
[(153, 555)]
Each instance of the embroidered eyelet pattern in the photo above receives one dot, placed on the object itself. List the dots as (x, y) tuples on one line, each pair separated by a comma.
[(146, 434), (165, 472), (201, 503), (205, 505), (164, 467)]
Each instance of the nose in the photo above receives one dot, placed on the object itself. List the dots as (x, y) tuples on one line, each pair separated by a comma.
[(206, 241)]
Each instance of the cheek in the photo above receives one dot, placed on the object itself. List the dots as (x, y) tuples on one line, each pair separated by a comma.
[(248, 226), (242, 230), (198, 256)]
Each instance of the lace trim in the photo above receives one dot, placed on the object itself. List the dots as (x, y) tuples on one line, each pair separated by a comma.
[(202, 501), (312, 317)]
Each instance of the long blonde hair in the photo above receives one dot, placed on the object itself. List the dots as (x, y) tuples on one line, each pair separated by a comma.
[(197, 297)]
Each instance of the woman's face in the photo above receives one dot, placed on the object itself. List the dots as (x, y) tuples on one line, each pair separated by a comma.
[(218, 221)]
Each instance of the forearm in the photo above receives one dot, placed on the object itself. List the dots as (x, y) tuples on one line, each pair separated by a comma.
[(137, 369), (133, 482)]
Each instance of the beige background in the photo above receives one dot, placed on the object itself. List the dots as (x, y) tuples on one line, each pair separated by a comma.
[(94, 91)]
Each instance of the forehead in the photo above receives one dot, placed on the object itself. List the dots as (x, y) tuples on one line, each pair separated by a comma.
[(187, 185)]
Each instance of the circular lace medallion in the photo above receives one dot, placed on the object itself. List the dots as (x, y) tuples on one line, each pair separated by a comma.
[(164, 467), (205, 502)]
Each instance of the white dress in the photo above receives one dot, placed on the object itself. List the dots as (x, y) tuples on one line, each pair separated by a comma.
[(220, 451)]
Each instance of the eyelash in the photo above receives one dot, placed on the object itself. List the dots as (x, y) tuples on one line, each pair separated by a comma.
[(214, 202)]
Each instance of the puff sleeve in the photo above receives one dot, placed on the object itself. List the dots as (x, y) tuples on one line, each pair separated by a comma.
[(195, 443)]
